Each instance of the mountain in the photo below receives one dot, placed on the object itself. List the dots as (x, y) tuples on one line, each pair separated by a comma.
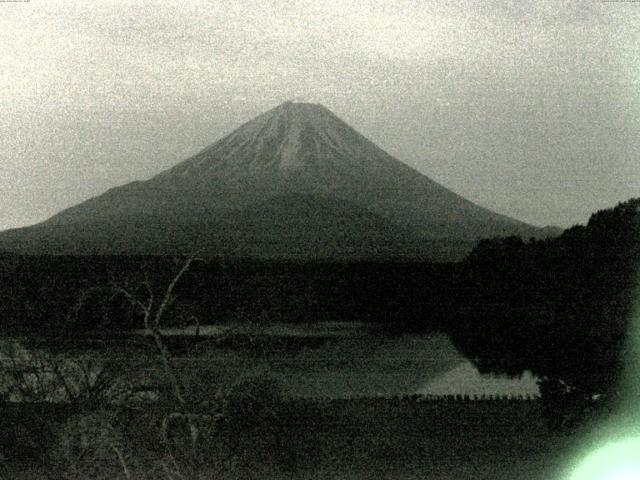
[(295, 181)]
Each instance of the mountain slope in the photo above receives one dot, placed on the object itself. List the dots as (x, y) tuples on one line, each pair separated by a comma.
[(296, 177)]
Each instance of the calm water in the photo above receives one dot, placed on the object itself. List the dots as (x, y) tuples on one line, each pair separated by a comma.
[(336, 360), (355, 361)]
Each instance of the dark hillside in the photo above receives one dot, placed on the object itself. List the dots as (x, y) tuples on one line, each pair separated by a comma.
[(560, 308)]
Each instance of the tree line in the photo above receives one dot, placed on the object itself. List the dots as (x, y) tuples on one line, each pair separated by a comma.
[(561, 308)]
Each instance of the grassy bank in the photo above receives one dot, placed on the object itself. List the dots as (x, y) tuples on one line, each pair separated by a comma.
[(358, 438)]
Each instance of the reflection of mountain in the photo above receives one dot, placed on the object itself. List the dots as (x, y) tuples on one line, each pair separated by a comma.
[(295, 181), (464, 379)]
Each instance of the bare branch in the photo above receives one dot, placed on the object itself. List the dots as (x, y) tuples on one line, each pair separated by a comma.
[(167, 296), (135, 301)]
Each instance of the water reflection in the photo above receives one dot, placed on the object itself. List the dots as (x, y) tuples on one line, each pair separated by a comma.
[(358, 362), (348, 361), (465, 379)]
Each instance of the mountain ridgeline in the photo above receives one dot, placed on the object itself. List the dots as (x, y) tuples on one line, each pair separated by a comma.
[(295, 182)]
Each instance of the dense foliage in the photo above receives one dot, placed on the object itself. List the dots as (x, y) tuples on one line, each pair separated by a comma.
[(560, 308)]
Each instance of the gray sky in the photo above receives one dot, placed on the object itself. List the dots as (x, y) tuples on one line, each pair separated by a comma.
[(529, 108)]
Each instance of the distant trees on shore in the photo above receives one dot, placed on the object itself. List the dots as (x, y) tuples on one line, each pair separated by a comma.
[(560, 308)]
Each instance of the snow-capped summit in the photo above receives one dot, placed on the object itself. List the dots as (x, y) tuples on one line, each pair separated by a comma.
[(289, 137), (294, 181)]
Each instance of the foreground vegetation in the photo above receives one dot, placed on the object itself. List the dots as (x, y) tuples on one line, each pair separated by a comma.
[(269, 437)]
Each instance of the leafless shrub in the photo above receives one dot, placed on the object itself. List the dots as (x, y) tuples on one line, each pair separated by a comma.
[(90, 445), (145, 299), (36, 375), (180, 428)]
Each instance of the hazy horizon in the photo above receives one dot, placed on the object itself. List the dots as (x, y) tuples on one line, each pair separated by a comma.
[(528, 110)]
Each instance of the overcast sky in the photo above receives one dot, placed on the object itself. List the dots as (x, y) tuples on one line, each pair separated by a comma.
[(531, 109)]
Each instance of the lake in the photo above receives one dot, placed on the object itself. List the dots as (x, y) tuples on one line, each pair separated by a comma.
[(322, 360), (353, 360)]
